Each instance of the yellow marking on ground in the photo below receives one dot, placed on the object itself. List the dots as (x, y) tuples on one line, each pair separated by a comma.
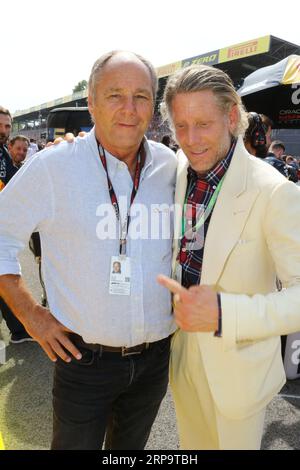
[(1, 442)]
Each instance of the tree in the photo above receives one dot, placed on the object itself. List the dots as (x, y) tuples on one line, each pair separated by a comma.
[(82, 85)]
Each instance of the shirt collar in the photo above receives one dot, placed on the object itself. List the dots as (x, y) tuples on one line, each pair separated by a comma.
[(113, 162), (214, 176)]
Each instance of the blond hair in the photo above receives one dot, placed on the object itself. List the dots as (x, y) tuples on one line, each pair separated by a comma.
[(203, 77)]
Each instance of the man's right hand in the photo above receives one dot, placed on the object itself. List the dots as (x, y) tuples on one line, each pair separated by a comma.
[(51, 335), (38, 320)]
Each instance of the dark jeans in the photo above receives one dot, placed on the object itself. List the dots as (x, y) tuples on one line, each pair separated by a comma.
[(107, 393), (12, 322)]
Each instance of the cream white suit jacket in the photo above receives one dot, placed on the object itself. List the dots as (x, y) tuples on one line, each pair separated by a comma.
[(253, 235)]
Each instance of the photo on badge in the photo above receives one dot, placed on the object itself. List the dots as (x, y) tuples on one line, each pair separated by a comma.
[(119, 275)]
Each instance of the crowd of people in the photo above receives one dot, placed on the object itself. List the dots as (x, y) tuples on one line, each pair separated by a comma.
[(208, 289)]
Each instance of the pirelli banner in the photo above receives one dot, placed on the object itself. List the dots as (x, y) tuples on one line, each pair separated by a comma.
[(238, 51), (245, 49)]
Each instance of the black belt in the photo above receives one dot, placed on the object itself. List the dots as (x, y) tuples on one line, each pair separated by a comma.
[(123, 350)]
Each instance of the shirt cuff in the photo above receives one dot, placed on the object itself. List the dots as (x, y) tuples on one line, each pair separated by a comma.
[(10, 267), (218, 333)]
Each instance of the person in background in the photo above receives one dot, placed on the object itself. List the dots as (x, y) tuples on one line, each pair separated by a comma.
[(7, 168), (277, 149), (41, 146), (255, 138), (277, 158), (290, 160), (32, 149), (17, 148)]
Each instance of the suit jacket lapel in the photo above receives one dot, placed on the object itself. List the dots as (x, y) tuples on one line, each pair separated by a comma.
[(229, 216)]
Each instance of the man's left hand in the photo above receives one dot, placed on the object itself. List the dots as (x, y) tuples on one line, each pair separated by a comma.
[(196, 308), (69, 137)]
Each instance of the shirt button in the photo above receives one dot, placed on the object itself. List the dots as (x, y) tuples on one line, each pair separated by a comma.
[(214, 186)]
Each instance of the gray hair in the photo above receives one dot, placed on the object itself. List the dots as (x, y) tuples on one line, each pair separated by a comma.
[(204, 77), (100, 63)]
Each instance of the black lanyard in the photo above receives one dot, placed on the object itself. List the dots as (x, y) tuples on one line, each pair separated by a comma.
[(113, 197)]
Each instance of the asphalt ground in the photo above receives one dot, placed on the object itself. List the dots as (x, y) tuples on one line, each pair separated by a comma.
[(25, 397)]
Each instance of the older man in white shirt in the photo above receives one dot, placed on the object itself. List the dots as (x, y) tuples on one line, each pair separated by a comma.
[(108, 334)]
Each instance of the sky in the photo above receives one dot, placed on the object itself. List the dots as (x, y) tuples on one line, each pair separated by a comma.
[(47, 47)]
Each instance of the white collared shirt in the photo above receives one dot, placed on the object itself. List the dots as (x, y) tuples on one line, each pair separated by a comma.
[(62, 193)]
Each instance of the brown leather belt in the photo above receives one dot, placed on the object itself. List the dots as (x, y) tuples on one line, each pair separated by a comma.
[(124, 351)]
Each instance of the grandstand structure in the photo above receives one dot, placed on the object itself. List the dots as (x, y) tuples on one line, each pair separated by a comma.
[(238, 61)]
